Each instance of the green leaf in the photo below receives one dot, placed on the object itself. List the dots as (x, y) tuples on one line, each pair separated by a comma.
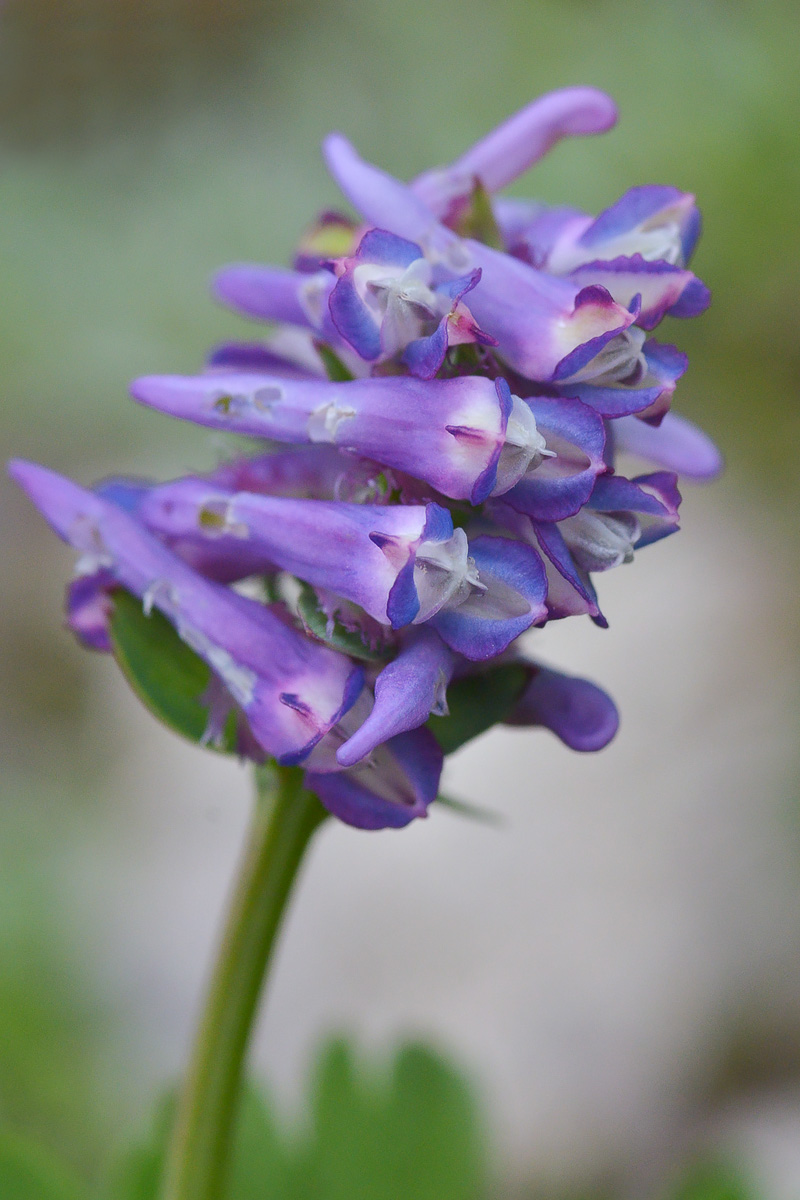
[(370, 1131), (478, 220), (713, 1180), (316, 622), (29, 1172), (335, 369), (167, 676), (476, 703), (411, 1131)]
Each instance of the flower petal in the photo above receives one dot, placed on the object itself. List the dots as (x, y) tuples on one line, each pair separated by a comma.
[(388, 791), (407, 690), (560, 485), (662, 287), (580, 713), (510, 149), (516, 585), (448, 432), (675, 444)]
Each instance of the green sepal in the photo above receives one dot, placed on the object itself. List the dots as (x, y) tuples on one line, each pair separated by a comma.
[(166, 675), (477, 702), (29, 1172), (335, 369), (478, 219), (346, 641)]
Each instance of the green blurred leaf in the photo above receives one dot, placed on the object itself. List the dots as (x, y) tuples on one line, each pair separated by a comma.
[(167, 676), (476, 703), (713, 1181), (29, 1172), (339, 638), (413, 1132), (408, 1131)]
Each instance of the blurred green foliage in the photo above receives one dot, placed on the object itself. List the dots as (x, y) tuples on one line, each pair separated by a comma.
[(370, 1134)]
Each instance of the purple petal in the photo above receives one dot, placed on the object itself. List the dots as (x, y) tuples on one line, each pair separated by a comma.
[(89, 608), (655, 498), (580, 713), (559, 486), (269, 293), (675, 444), (389, 794), (353, 319), (640, 205), (304, 472), (448, 432), (406, 692), (383, 201), (256, 356), (538, 320), (649, 399), (485, 624), (663, 288), (576, 594), (353, 550), (387, 249), (425, 356), (531, 230), (508, 151)]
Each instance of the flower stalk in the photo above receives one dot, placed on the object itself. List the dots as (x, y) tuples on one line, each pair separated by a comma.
[(284, 819)]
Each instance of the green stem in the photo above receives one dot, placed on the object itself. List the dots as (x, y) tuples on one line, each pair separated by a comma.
[(285, 817)]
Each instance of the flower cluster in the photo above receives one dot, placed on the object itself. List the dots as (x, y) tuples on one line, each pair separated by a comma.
[(456, 376)]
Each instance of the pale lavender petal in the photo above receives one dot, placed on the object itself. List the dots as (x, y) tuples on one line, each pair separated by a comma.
[(511, 149), (676, 444)]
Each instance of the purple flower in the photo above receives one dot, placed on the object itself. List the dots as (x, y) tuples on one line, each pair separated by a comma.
[(400, 564), (386, 303), (467, 437), (291, 690), (542, 324)]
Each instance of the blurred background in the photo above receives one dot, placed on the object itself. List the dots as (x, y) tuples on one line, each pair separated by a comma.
[(616, 969)]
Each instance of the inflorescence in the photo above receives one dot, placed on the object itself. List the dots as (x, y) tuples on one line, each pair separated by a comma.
[(456, 375)]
